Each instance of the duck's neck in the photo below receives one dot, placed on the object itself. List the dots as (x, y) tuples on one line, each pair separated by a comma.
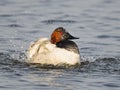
[(68, 45)]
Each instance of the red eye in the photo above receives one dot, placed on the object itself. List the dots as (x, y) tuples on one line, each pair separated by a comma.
[(60, 32)]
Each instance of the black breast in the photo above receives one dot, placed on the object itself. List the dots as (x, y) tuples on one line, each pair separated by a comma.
[(68, 45)]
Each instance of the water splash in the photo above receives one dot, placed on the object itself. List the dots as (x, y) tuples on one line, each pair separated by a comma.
[(106, 64)]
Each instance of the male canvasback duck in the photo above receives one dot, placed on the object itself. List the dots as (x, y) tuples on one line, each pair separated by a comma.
[(56, 51)]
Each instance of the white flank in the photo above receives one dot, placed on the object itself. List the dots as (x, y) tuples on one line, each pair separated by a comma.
[(44, 52)]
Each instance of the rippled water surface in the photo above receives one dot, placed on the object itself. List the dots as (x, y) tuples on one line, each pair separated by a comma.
[(96, 22)]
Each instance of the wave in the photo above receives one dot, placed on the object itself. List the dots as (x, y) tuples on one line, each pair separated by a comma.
[(105, 65), (58, 21)]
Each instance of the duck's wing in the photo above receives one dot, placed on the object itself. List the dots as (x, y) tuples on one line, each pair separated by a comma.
[(34, 47)]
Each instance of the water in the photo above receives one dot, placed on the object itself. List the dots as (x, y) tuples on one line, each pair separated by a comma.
[(96, 22)]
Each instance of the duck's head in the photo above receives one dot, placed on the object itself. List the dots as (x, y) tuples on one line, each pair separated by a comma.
[(60, 34)]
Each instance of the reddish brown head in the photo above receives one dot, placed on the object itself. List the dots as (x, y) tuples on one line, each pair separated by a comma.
[(60, 34)]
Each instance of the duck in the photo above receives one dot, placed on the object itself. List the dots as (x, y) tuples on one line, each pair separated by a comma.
[(59, 50)]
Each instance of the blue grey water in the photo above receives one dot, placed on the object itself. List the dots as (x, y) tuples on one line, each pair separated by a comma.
[(95, 22)]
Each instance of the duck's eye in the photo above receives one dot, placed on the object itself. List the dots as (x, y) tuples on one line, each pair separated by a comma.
[(61, 32)]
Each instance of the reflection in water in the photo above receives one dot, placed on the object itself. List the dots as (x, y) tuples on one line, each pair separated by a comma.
[(36, 76), (46, 78)]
